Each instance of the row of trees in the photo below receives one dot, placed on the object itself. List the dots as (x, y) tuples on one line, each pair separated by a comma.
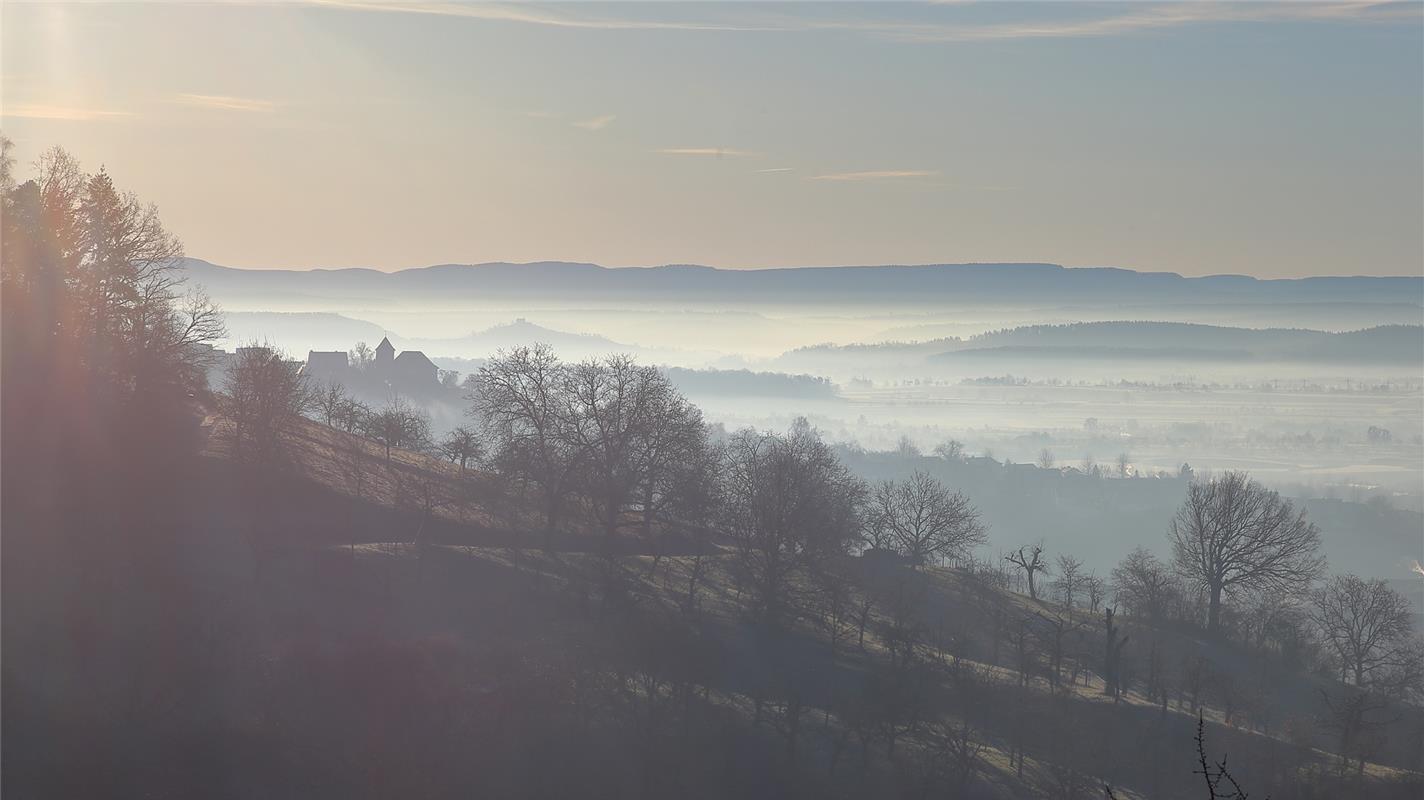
[(95, 311), (614, 445)]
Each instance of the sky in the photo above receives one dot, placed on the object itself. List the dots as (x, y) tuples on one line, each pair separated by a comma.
[(1276, 140)]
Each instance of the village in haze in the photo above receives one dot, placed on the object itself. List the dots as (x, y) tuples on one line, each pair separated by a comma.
[(604, 400)]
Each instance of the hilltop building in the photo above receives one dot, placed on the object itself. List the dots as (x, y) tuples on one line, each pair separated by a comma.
[(409, 372)]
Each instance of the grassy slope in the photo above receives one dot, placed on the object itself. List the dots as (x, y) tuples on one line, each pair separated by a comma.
[(341, 557)]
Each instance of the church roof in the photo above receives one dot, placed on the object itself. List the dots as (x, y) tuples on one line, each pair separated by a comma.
[(415, 357), (386, 344)]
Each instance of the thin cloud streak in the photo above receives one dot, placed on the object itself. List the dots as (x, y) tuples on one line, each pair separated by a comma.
[(876, 174), (533, 16), (70, 113), (775, 169), (226, 103), (596, 123), (1158, 16), (716, 152)]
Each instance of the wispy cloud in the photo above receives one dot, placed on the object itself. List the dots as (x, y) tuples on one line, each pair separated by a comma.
[(72, 113), (716, 152), (225, 103), (534, 15), (1047, 24), (776, 169), (1138, 19), (876, 175), (596, 123)]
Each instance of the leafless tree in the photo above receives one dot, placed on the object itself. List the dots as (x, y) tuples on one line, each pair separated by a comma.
[(1368, 626), (924, 519), (331, 401), (264, 395), (352, 416), (399, 425), (361, 356), (1054, 634), (1046, 460), (519, 396), (1029, 559), (1070, 580), (952, 756), (1113, 643), (905, 447), (677, 468), (609, 408), (462, 445), (950, 450), (1143, 586), (1095, 589), (1124, 465), (788, 502), (1232, 533), (426, 493), (1356, 717)]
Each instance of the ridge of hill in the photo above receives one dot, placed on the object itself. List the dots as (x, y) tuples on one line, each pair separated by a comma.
[(1013, 283)]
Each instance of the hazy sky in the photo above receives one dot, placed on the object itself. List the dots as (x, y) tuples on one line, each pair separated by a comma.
[(1274, 140)]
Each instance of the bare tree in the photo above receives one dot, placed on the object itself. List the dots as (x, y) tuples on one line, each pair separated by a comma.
[(264, 395), (361, 356), (788, 503), (1054, 636), (677, 467), (1124, 465), (1368, 626), (950, 450), (1143, 586), (331, 401), (924, 519), (1070, 580), (518, 395), (1113, 644), (1095, 589), (1232, 533), (1029, 559), (461, 446), (905, 447), (630, 427), (1046, 460), (1355, 716), (352, 416), (399, 425)]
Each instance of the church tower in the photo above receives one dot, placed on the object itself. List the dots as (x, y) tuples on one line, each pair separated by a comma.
[(385, 353)]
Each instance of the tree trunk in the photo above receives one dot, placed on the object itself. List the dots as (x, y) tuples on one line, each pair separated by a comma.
[(1213, 614)]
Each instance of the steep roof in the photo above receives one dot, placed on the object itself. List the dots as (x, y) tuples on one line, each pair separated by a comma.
[(385, 345), (415, 358)]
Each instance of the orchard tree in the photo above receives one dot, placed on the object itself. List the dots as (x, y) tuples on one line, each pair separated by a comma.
[(461, 446), (1232, 533), (518, 395), (924, 519), (1070, 581), (1029, 559), (1369, 628), (399, 425), (788, 503), (264, 395), (1143, 585)]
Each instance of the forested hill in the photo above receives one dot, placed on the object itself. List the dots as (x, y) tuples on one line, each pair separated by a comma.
[(936, 284), (1384, 344)]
